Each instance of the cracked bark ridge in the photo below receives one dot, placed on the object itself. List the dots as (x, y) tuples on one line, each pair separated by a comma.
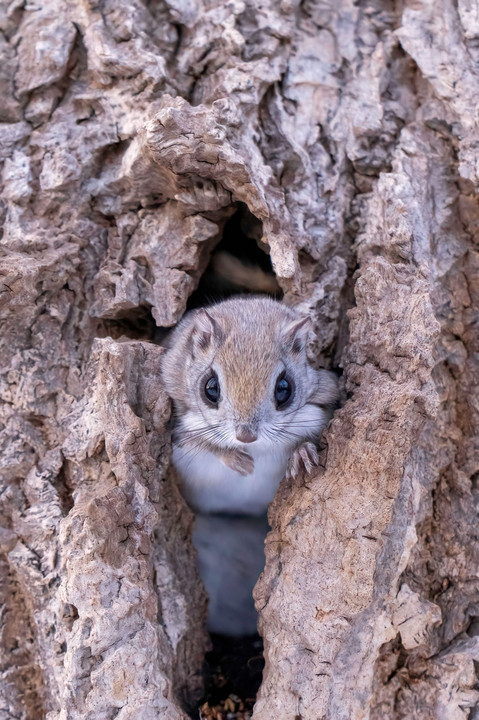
[(131, 645), (129, 131)]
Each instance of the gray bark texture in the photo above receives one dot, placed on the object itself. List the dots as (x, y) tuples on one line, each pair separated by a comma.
[(129, 133)]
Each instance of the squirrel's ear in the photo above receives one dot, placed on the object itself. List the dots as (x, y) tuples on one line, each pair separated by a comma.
[(296, 334), (205, 331)]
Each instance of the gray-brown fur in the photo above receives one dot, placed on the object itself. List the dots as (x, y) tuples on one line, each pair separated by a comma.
[(245, 337), (251, 326)]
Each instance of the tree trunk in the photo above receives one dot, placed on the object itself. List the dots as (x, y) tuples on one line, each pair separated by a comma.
[(129, 133)]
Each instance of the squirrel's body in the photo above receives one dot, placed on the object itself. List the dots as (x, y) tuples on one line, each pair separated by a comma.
[(248, 407), (210, 486)]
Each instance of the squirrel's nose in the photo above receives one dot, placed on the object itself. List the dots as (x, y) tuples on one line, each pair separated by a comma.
[(245, 434)]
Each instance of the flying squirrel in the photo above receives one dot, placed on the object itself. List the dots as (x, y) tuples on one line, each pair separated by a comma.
[(248, 406)]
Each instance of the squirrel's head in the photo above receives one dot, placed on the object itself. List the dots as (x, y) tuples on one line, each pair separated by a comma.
[(239, 376)]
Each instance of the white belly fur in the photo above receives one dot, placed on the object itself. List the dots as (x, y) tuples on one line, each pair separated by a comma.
[(211, 487)]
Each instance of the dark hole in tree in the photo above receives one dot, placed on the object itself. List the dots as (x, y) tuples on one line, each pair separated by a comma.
[(137, 324), (234, 669), (240, 263)]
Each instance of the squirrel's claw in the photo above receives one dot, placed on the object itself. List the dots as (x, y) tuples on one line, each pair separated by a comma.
[(304, 457), (239, 461)]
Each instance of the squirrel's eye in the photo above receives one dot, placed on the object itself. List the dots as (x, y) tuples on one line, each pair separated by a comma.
[(282, 391), (212, 390)]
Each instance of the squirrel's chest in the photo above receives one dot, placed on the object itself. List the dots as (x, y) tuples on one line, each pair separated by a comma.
[(211, 487)]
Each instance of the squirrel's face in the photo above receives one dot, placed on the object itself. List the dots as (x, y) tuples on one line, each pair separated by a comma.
[(248, 383)]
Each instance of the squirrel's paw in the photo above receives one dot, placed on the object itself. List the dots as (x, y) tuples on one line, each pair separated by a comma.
[(304, 457), (239, 461)]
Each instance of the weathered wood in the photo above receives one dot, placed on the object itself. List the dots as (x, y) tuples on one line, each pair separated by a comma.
[(128, 133)]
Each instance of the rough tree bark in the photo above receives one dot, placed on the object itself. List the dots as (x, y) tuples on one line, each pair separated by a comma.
[(129, 132)]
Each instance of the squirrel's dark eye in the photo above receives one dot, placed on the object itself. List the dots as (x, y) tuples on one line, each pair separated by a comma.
[(212, 390), (282, 391)]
